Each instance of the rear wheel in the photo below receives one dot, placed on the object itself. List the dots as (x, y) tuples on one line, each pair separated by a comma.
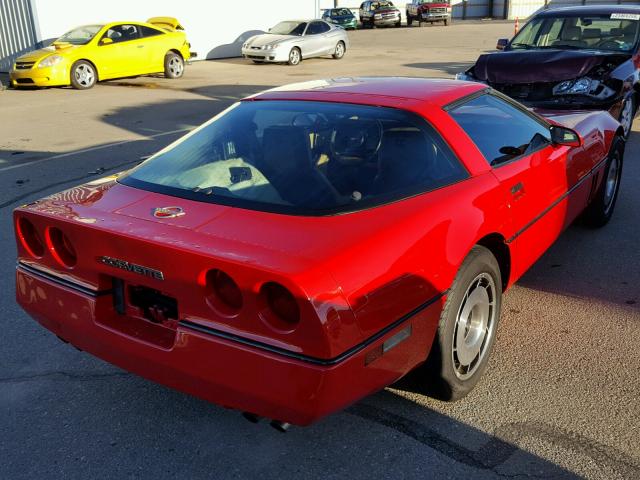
[(467, 328), (294, 56), (83, 75), (338, 53), (173, 65), (600, 210)]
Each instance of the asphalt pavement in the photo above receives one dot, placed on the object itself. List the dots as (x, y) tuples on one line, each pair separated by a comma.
[(560, 398)]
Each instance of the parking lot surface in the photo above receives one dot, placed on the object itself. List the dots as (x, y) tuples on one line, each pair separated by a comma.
[(560, 398)]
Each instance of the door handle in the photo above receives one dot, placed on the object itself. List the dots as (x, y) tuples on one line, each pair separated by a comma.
[(517, 190)]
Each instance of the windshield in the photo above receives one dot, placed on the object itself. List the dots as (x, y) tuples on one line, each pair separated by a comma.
[(289, 28), (80, 35), (302, 158), (340, 12), (377, 5), (614, 32)]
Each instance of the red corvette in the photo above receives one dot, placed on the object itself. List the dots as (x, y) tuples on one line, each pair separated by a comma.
[(315, 243)]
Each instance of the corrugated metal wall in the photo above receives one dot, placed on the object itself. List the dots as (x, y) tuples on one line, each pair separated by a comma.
[(18, 30)]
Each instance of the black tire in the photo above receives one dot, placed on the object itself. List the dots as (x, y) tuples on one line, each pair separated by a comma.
[(443, 372), (601, 208), (446, 22), (409, 20), (399, 24), (83, 75), (173, 65), (372, 23), (295, 56), (340, 50)]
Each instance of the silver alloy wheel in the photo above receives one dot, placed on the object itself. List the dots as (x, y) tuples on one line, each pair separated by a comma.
[(626, 117), (294, 56), (176, 66), (611, 183), (339, 50), (475, 326), (84, 75)]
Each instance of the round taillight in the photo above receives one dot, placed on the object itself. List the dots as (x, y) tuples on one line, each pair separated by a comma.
[(282, 312), (30, 238), (223, 294), (61, 248)]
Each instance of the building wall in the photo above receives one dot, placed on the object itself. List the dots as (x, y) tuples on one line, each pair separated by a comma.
[(18, 30)]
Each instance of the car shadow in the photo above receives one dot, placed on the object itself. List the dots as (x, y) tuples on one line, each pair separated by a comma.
[(233, 49)]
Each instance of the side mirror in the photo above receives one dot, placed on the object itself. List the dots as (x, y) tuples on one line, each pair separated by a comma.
[(502, 43), (106, 41), (565, 136)]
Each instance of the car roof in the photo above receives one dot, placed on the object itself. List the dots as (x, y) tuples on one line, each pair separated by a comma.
[(439, 92), (589, 10)]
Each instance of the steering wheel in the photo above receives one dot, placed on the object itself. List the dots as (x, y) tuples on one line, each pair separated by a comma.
[(609, 44), (356, 140)]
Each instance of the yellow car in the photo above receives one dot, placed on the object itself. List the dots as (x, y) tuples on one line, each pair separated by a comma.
[(90, 53)]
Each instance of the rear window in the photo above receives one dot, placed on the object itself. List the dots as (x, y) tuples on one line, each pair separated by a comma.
[(305, 158)]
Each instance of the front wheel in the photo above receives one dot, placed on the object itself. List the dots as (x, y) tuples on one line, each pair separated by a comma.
[(294, 56), (467, 328), (173, 65), (600, 210), (338, 53), (409, 20), (83, 75), (446, 23)]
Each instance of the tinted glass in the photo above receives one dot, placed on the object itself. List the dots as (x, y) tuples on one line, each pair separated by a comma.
[(302, 158), (122, 33), (80, 35), (340, 12), (315, 28), (149, 32), (615, 32), (499, 130)]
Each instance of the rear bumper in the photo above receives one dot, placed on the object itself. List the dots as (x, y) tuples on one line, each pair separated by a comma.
[(218, 367)]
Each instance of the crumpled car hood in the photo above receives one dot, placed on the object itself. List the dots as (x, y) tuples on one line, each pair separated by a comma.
[(530, 66)]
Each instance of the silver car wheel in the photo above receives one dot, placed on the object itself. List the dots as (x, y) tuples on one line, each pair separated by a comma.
[(475, 326), (339, 50), (84, 75), (176, 67), (612, 183), (626, 116), (294, 56)]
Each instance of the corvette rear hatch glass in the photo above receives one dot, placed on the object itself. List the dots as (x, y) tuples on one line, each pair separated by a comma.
[(304, 158)]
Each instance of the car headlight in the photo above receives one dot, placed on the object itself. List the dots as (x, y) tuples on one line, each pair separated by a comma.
[(245, 45), (50, 61), (377, 15), (270, 47), (580, 86)]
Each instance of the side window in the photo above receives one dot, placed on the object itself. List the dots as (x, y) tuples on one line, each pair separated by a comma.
[(149, 32), (122, 33), (324, 28), (299, 30), (315, 28), (499, 130)]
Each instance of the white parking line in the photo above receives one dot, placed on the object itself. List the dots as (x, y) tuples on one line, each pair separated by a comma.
[(90, 149)]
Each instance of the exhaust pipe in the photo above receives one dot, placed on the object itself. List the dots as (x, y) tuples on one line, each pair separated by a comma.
[(280, 426)]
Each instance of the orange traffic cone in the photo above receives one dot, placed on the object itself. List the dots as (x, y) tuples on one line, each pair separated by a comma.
[(516, 26)]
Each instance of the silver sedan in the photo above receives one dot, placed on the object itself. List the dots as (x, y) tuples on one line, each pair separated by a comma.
[(294, 40)]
